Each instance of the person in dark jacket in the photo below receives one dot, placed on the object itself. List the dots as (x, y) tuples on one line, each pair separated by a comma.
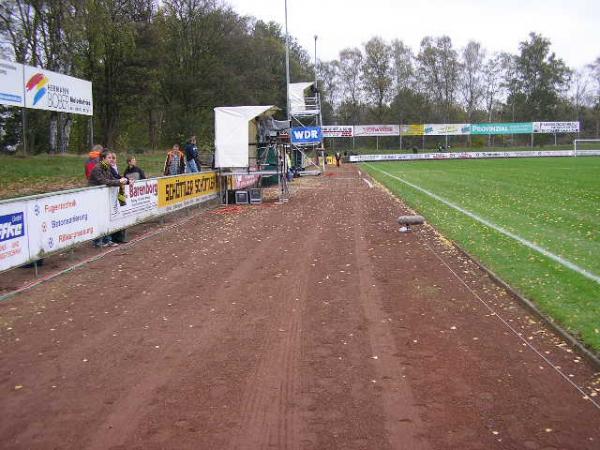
[(133, 172), (102, 175), (191, 155)]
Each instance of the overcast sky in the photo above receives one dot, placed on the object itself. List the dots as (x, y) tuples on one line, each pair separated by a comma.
[(572, 26)]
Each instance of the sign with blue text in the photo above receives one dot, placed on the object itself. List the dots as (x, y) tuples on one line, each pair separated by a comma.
[(306, 135)]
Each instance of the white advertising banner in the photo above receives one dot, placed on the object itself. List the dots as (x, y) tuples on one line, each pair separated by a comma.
[(556, 127), (451, 129), (14, 246), (141, 203), (11, 83), (460, 155), (376, 130), (334, 131), (56, 92), (59, 221)]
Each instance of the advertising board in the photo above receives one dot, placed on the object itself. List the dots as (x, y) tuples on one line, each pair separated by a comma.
[(376, 130), (184, 190), (306, 135), (14, 246), (62, 220), (141, 203), (450, 129), (556, 127), (53, 91), (502, 128), (412, 130), (334, 131), (11, 83)]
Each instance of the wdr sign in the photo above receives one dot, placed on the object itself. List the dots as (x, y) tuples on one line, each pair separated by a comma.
[(307, 135)]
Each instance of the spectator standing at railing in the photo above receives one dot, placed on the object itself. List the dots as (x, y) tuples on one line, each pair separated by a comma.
[(175, 162), (120, 236), (191, 155), (133, 172), (93, 158), (102, 175)]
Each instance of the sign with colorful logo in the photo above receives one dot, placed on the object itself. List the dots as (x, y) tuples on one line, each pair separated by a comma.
[(184, 190), (306, 135), (11, 84), (502, 128), (333, 131), (53, 91)]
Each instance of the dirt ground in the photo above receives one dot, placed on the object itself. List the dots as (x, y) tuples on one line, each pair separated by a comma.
[(313, 324)]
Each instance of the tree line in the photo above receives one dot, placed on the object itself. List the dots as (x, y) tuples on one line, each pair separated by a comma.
[(385, 82), (159, 68)]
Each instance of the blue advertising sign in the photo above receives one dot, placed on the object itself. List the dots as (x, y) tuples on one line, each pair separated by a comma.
[(306, 135), (12, 226)]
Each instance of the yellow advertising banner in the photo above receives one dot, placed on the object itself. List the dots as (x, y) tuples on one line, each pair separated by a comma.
[(180, 189), (412, 130)]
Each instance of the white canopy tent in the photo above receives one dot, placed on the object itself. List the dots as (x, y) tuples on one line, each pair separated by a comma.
[(298, 104), (232, 133)]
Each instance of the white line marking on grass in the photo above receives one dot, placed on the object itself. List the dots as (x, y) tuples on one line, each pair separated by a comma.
[(368, 182), (499, 229)]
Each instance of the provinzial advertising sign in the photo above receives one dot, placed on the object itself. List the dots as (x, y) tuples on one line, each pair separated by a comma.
[(14, 246), (334, 131), (376, 130), (502, 128), (450, 129), (184, 190), (60, 221), (11, 84), (306, 135), (556, 127), (56, 92)]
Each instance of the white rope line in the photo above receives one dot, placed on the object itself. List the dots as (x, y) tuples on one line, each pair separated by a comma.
[(499, 229), (515, 332), (368, 182)]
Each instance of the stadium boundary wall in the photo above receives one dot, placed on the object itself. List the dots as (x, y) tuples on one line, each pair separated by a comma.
[(37, 226), (471, 155)]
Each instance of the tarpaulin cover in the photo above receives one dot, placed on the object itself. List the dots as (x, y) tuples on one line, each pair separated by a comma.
[(231, 133), (297, 102)]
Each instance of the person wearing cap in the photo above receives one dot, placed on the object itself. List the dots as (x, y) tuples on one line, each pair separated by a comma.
[(93, 158)]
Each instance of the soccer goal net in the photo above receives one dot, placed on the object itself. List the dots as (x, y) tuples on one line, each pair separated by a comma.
[(586, 146)]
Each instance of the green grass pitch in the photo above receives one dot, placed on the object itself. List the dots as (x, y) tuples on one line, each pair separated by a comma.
[(552, 202)]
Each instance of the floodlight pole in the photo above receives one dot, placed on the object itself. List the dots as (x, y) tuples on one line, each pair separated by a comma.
[(281, 177), (287, 64), (316, 61)]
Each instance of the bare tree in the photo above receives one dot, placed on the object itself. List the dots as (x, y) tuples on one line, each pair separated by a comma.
[(351, 61), (471, 79), (438, 69), (377, 72), (328, 74), (403, 66)]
